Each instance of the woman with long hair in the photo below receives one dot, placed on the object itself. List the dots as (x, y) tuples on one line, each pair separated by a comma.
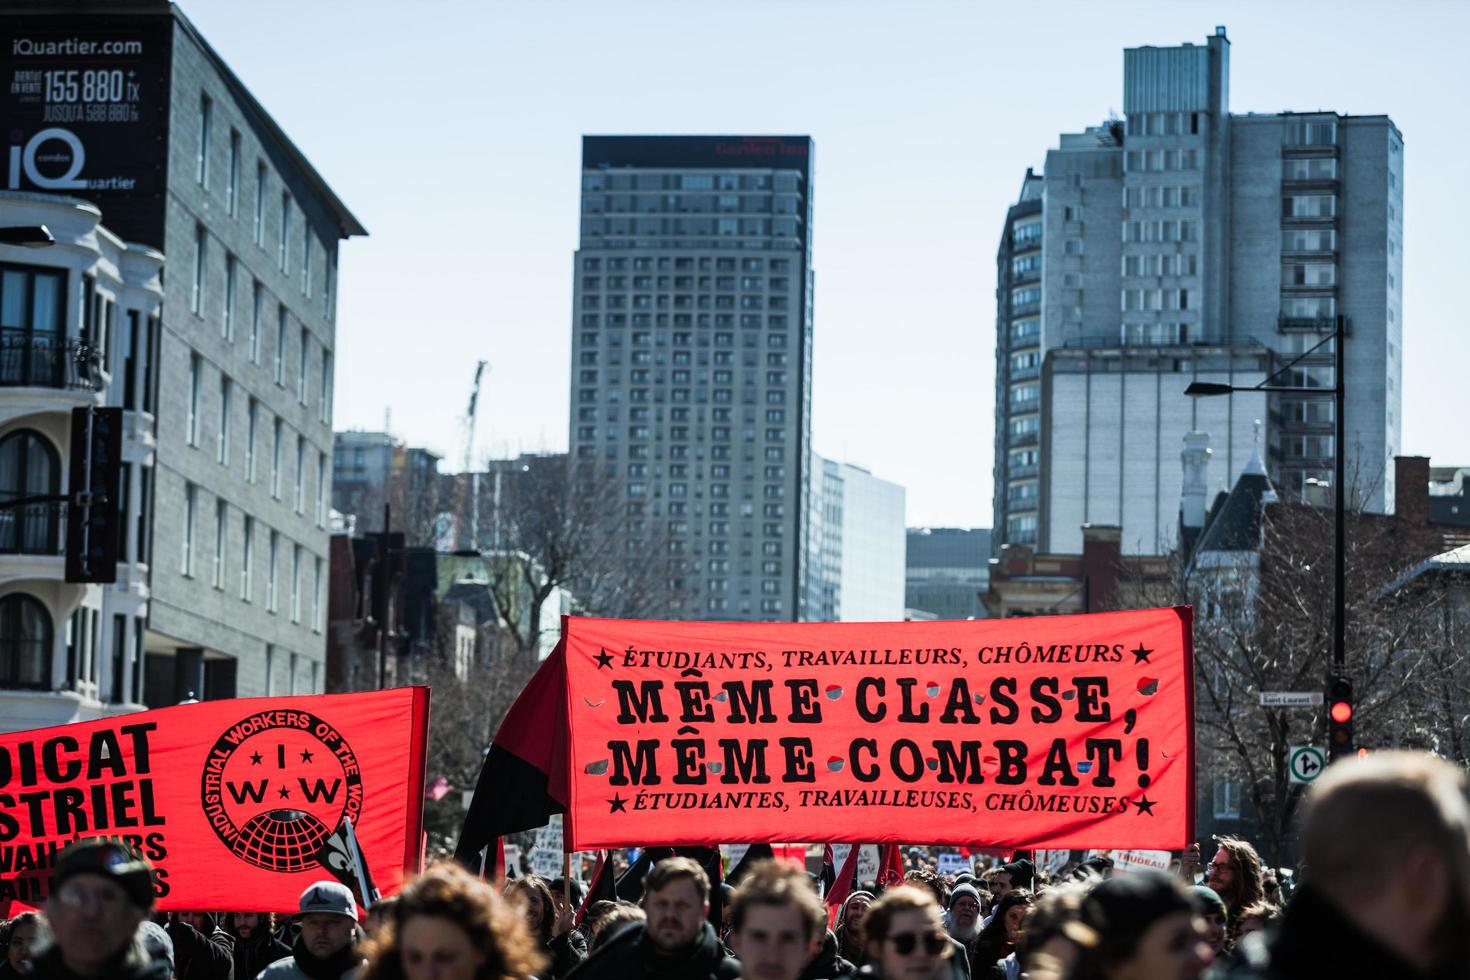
[(998, 939), (450, 925)]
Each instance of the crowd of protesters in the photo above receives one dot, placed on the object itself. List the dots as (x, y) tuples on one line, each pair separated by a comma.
[(1383, 892)]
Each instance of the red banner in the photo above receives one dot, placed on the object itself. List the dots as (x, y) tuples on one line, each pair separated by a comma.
[(238, 804), (1068, 731)]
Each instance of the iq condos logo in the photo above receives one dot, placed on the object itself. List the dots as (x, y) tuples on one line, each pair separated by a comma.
[(276, 788), (53, 160)]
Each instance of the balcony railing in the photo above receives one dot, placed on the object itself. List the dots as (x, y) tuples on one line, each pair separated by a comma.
[(46, 360), (1313, 324), (1023, 439), (33, 529)]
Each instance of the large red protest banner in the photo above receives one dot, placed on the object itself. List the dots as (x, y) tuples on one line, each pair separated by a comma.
[(238, 804), (1065, 731)]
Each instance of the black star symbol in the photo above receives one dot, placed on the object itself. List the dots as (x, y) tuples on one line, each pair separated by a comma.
[(619, 805), (255, 758), (1140, 656), (604, 660), (1144, 804), (305, 755), (285, 793)]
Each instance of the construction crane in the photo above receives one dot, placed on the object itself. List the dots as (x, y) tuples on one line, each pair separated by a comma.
[(473, 479)]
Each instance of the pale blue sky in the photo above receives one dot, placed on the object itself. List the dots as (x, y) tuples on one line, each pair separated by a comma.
[(452, 129)]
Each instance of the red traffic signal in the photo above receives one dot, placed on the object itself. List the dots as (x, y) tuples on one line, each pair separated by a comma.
[(1340, 715), (1342, 712)]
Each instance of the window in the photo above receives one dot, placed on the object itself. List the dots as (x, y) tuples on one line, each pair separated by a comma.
[(26, 641), (257, 298), (305, 259), (29, 466), (186, 562), (321, 490), (130, 352), (301, 366), (316, 599), (227, 324), (260, 189), (270, 669), (273, 557), (291, 677), (247, 558), (192, 420), (324, 406), (250, 417), (206, 121), (296, 583), (283, 252), (280, 363), (232, 189), (221, 533), (300, 497), (222, 449), (196, 295), (276, 459), (1226, 793)]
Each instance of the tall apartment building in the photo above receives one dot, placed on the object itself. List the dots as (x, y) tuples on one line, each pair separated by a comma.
[(130, 109), (856, 545), (1185, 242), (691, 357), (948, 569)]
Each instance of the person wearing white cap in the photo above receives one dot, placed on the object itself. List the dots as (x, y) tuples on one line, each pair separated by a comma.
[(324, 950)]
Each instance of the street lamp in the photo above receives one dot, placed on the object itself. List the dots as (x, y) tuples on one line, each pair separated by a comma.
[(1199, 389)]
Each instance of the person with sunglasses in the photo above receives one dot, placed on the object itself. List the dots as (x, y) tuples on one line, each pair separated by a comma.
[(905, 938)]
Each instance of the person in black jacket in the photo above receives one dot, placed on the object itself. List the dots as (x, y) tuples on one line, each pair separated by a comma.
[(255, 946), (202, 949), (1386, 855), (676, 943)]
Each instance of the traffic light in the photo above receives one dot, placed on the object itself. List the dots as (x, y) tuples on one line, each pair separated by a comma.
[(94, 495), (1340, 719)]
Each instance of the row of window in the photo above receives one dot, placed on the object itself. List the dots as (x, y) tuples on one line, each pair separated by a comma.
[(1163, 123), (1160, 231), (646, 301), (680, 321), (246, 566), (593, 228), (223, 434), (1161, 196), (765, 203), (687, 282), (1160, 161), (684, 263), (1156, 299), (309, 242), (643, 181)]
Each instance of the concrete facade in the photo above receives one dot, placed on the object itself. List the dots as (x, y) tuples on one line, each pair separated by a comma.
[(691, 358), (1186, 234)]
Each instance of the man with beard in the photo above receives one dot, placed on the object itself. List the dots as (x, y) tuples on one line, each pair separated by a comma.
[(1386, 848), (962, 921), (324, 950), (676, 943), (1235, 875), (255, 946)]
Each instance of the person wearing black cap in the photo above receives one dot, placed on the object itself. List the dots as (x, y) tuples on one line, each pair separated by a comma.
[(324, 950), (202, 950), (100, 893), (1146, 929), (1211, 908)]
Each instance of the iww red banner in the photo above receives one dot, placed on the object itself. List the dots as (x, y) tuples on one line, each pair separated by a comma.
[(238, 804), (1068, 731)]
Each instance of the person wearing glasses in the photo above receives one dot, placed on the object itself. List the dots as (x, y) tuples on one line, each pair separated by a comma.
[(905, 937), (100, 894), (1235, 875)]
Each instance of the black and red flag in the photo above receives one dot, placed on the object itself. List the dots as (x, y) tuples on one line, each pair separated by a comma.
[(523, 780), (890, 867)]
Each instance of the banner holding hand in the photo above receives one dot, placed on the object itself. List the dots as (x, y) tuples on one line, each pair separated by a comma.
[(238, 804), (1066, 731)]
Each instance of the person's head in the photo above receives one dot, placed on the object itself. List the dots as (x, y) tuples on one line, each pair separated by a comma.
[(777, 923), (1021, 872), (328, 918), (676, 900), (565, 910), (533, 895), (963, 918), (203, 922), (850, 920), (926, 878), (1053, 934), (158, 944), (449, 925), (1210, 907), (250, 926), (100, 892), (1254, 918), (904, 934), (25, 929), (611, 922), (1386, 838), (1008, 919), (1235, 873), (379, 915), (1272, 888), (1146, 928), (1000, 883)]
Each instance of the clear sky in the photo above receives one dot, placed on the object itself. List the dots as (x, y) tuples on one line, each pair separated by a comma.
[(452, 129)]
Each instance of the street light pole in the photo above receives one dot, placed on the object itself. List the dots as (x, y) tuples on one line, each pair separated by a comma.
[(1339, 401)]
